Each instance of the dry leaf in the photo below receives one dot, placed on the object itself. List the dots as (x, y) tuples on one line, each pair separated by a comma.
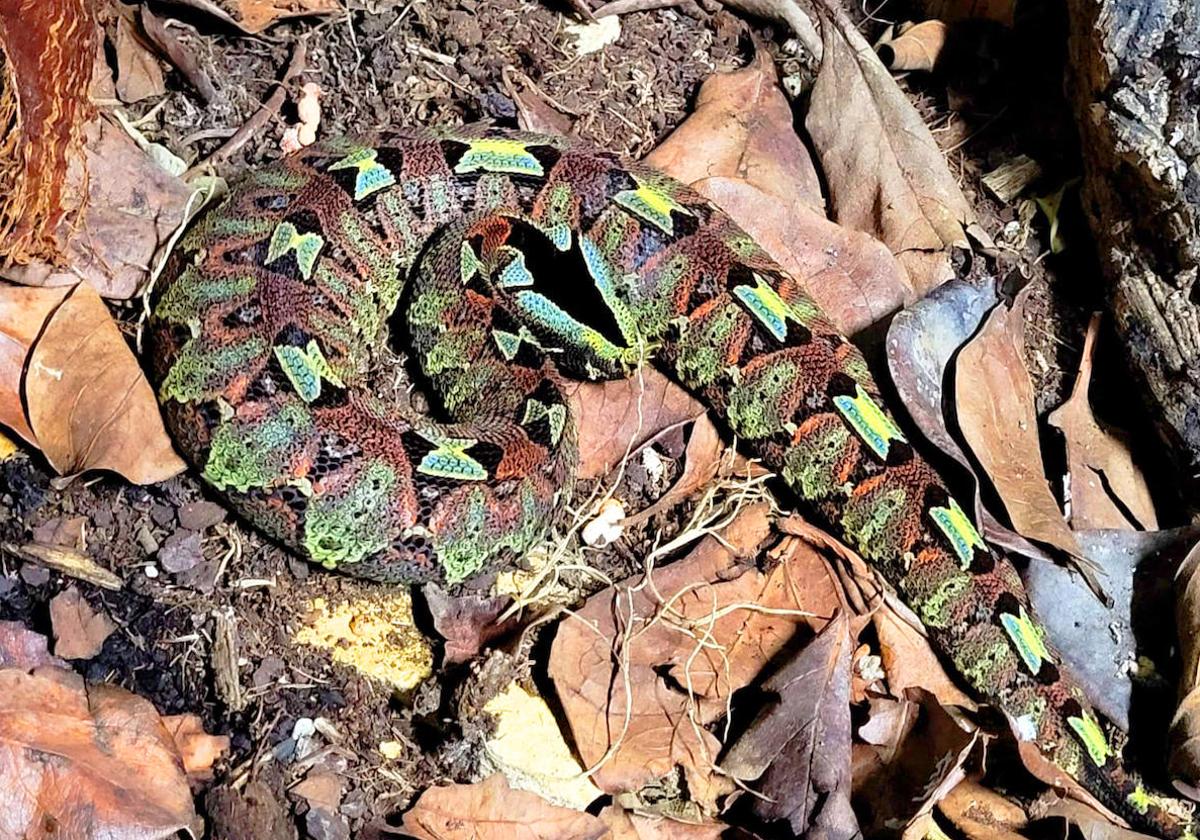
[(1092, 824), (885, 173), (739, 149), (79, 630), (1184, 764), (618, 417), (796, 753), (917, 47), (788, 12), (89, 405), (139, 75), (982, 814), (490, 810), (198, 750), (130, 209), (535, 110), (995, 406), (253, 16), (179, 52), (909, 660), (23, 314), (626, 637), (20, 647), (629, 825), (701, 462), (1107, 488), (466, 621), (116, 772)]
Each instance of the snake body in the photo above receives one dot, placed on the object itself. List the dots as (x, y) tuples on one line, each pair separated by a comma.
[(505, 263)]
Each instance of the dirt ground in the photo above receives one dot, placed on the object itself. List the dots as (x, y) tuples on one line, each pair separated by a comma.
[(387, 63)]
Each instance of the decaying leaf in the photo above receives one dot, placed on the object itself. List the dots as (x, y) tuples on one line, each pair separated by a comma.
[(916, 47), (48, 51), (908, 659), (124, 207), (253, 16), (620, 662), (198, 750), (886, 175), (115, 773), (739, 149), (89, 407), (995, 406), (796, 753), (79, 630), (490, 810), (1107, 488), (982, 814), (466, 621), (1184, 764), (1103, 646), (630, 825), (23, 314), (139, 75)]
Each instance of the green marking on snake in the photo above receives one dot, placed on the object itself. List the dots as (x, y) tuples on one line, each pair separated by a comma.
[(371, 176), (268, 377), (867, 419), (306, 245), (957, 527)]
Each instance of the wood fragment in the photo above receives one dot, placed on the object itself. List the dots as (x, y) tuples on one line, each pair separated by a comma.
[(1009, 179), (225, 659), (67, 561)]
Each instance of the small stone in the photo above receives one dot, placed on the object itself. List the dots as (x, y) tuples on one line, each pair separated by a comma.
[(35, 575), (302, 734), (151, 571), (320, 824), (285, 750), (146, 540), (354, 806), (163, 515), (201, 515), (180, 552)]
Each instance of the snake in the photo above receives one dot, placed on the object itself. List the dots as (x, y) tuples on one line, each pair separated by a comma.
[(505, 266)]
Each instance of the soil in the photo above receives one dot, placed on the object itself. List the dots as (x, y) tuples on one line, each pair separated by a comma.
[(434, 61)]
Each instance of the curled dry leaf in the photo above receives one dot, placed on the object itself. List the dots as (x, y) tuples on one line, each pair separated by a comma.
[(490, 810), (916, 47), (1107, 488), (88, 404), (1184, 764), (116, 773), (79, 630), (739, 150), (139, 75), (619, 662), (125, 207), (796, 753), (886, 174), (908, 658), (179, 51), (994, 401)]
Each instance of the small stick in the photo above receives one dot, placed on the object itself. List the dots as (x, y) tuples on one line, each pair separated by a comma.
[(269, 109), (624, 7)]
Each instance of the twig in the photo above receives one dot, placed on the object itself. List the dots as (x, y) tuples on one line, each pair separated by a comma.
[(269, 109), (624, 7)]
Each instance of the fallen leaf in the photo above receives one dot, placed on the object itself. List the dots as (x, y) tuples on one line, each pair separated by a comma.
[(89, 404), (788, 12), (1184, 737), (701, 462), (1100, 645), (527, 746), (636, 685), (23, 314), (885, 173), (1092, 824), (1107, 488), (490, 810), (797, 750), (179, 51), (630, 825), (888, 723), (198, 750), (466, 621), (916, 47), (618, 417), (982, 814), (994, 400), (20, 647), (253, 16), (535, 110), (320, 789), (908, 658), (115, 772), (124, 208), (79, 630), (374, 635), (139, 75), (739, 150)]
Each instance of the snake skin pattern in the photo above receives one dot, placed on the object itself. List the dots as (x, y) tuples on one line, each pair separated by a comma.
[(504, 262)]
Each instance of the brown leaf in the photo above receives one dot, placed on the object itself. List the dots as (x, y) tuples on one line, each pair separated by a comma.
[(994, 402), (917, 47), (797, 751), (125, 208), (466, 621), (253, 16), (701, 462), (49, 51), (535, 111), (647, 637), (23, 314), (885, 173), (139, 75), (198, 750), (1184, 765), (115, 771), (616, 418), (1092, 824), (982, 814), (20, 647), (739, 149), (490, 810), (90, 406), (179, 52), (1099, 463), (909, 660), (321, 789), (79, 630), (628, 825)]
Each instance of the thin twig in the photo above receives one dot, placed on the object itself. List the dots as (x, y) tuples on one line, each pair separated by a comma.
[(624, 7)]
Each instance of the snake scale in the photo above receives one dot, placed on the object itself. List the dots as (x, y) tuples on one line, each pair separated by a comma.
[(505, 263)]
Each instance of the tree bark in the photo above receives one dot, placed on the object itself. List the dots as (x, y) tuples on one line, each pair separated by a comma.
[(1134, 70)]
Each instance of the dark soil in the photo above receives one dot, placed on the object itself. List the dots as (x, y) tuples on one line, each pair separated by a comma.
[(424, 62)]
